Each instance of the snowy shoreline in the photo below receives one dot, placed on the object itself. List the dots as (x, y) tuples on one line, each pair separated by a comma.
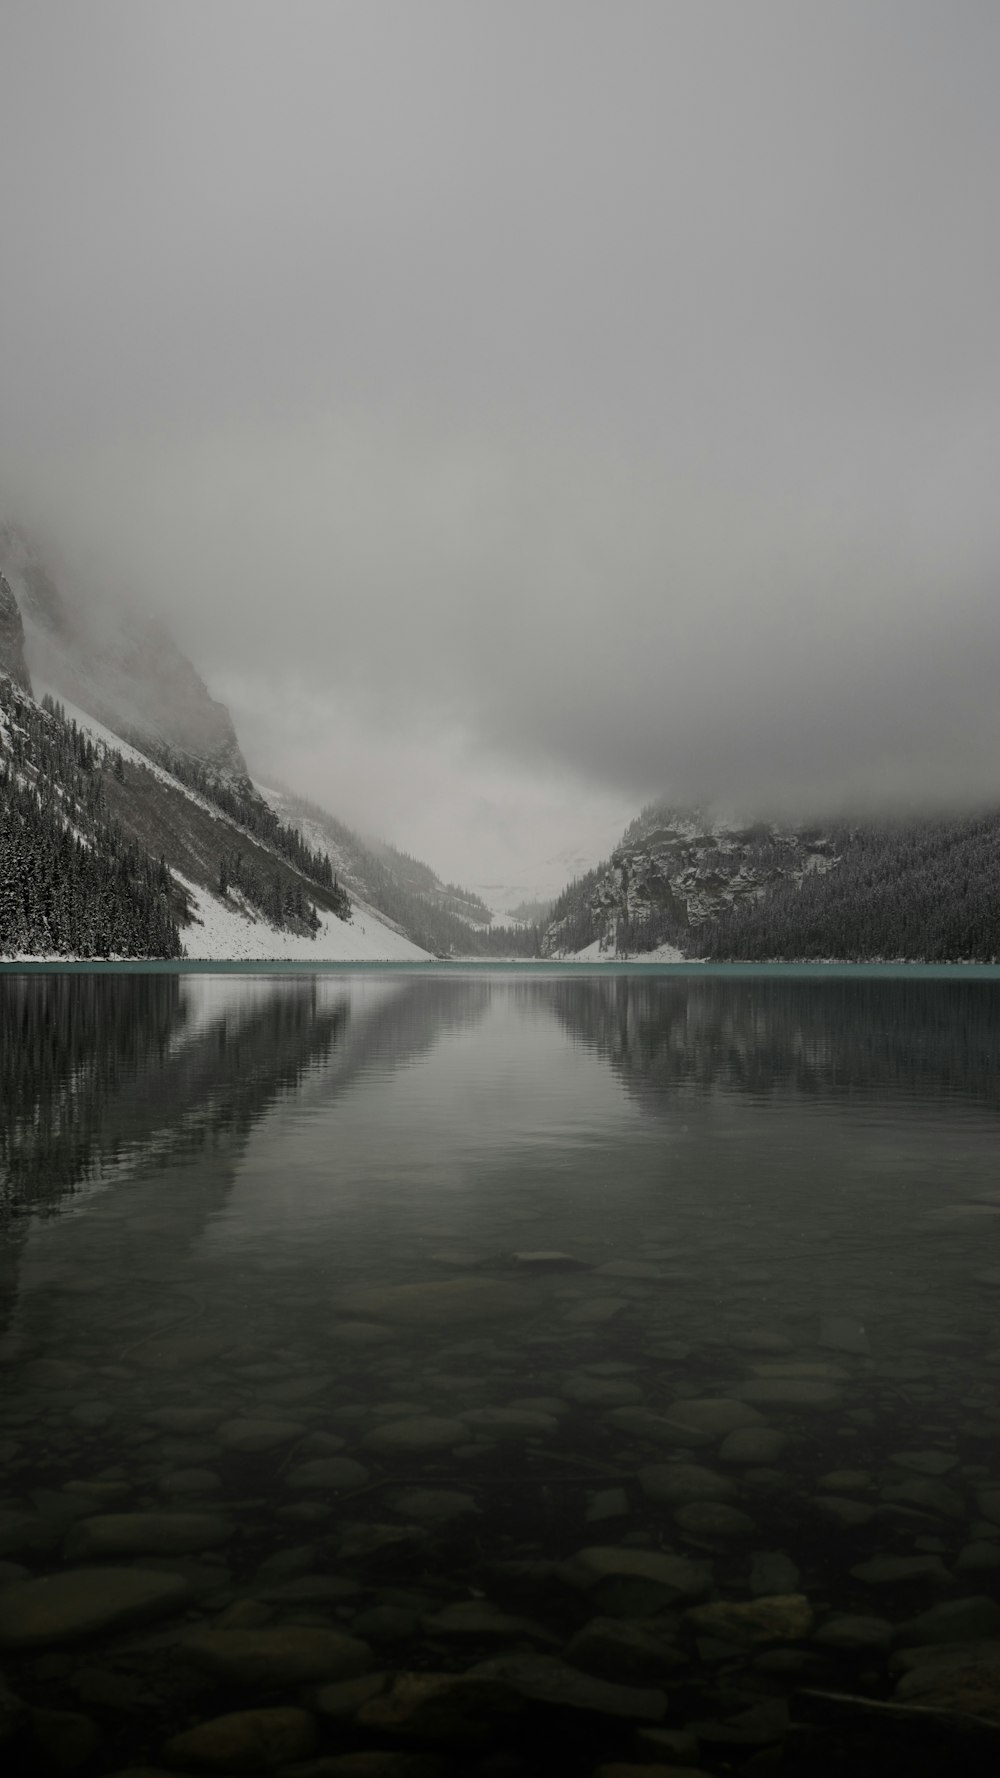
[(641, 959)]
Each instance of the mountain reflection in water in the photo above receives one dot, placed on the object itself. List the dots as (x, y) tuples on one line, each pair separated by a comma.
[(286, 1350)]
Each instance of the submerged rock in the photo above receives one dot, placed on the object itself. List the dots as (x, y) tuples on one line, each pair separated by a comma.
[(673, 1484), (635, 1653), (853, 1634), (546, 1680), (288, 1655), (434, 1506), (551, 1261), (931, 1463), (752, 1445), (955, 1620), (455, 1710), (964, 1678), (709, 1421), (890, 1571), (85, 1602), (628, 1582), (713, 1520), (509, 1423), (419, 1432), (791, 1392), (258, 1435), (781, 1618), (246, 1741), (437, 1304), (146, 1534), (327, 1473), (475, 1618), (841, 1333), (772, 1571)]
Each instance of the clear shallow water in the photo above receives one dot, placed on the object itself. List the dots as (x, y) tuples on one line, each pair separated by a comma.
[(219, 1191)]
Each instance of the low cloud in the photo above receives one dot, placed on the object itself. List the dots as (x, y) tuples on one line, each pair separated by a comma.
[(585, 403), (557, 610)]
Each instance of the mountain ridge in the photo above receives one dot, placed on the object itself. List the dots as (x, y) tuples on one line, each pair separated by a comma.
[(162, 759), (688, 884), (122, 667)]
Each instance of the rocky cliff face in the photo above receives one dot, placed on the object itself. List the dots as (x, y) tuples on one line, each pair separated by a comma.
[(12, 659), (116, 664), (675, 869)]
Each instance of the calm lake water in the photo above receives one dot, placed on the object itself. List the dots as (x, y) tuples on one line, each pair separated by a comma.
[(617, 1353)]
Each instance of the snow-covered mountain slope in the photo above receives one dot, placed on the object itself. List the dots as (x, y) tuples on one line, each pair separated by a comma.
[(164, 772), (219, 932), (12, 659), (599, 952), (400, 891), (111, 660), (226, 928), (181, 788), (170, 822), (549, 878)]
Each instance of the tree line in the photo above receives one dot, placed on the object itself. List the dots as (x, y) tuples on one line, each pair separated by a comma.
[(927, 890), (280, 903), (72, 883), (247, 808)]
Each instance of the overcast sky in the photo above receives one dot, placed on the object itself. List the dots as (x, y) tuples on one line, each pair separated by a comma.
[(522, 408)]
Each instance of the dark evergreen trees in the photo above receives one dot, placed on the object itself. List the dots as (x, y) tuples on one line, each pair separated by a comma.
[(926, 890), (280, 902), (71, 883), (571, 916), (244, 805)]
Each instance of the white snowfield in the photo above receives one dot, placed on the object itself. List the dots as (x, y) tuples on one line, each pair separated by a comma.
[(222, 933), (225, 934), (592, 953), (218, 934)]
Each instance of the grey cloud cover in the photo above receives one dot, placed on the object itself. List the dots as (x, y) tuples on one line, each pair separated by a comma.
[(521, 409)]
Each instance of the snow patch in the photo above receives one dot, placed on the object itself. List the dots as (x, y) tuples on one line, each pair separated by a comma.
[(593, 953), (220, 934)]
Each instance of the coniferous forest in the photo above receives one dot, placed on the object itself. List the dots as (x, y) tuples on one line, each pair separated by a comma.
[(926, 890), (244, 805), (278, 902), (408, 893), (71, 882), (923, 889), (74, 883)]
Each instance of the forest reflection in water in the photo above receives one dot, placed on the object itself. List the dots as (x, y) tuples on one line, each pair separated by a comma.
[(413, 1290), (97, 1067)]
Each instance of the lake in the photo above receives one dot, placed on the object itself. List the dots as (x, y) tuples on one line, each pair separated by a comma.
[(413, 1373)]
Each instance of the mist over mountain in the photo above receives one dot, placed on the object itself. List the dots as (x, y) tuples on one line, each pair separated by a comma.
[(518, 422), (112, 659), (490, 427), (707, 884), (126, 769)]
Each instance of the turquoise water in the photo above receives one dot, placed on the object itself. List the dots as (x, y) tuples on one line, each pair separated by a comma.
[(274, 1259), (775, 971)]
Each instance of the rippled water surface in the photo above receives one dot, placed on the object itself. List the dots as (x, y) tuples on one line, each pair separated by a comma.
[(439, 1373)]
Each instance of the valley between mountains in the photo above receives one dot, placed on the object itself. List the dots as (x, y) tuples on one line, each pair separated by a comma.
[(130, 827)]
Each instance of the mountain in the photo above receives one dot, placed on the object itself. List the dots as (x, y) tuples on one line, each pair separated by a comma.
[(528, 900), (675, 870), (920, 889), (420, 880), (408, 895), (702, 884), (116, 664), (128, 823), (12, 659), (130, 753)]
